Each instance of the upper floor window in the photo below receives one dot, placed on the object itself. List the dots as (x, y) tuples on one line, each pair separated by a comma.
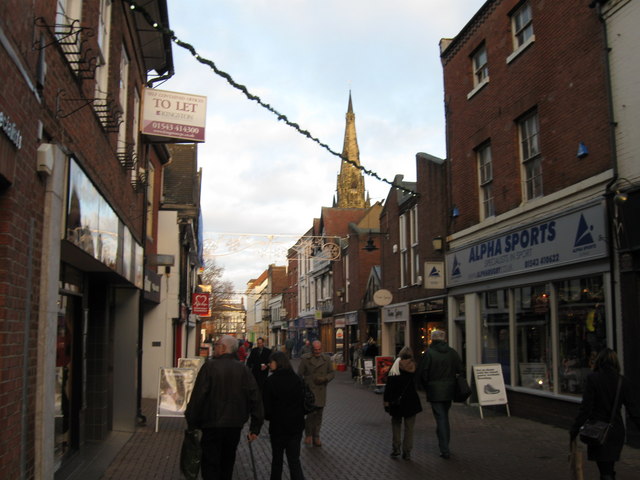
[(102, 65), (404, 251), (480, 66), (413, 236), (485, 177), (522, 29), (530, 155)]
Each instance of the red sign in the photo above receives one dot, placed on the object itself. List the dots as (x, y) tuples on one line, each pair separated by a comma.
[(200, 304)]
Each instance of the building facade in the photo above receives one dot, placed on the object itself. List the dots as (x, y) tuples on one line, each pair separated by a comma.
[(528, 269), (73, 173)]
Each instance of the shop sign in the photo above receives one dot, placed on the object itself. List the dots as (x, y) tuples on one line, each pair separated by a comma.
[(11, 130), (200, 304), (434, 272), (426, 306), (395, 313), (180, 116), (340, 322), (352, 318), (571, 238)]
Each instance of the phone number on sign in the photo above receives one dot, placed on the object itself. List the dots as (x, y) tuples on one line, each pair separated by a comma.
[(170, 127)]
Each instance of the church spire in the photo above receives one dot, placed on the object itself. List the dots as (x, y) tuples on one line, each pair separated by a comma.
[(350, 185)]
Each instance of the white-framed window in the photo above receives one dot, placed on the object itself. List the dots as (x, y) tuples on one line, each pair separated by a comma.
[(123, 93), (68, 31), (151, 184), (102, 66), (404, 252), (530, 156), (522, 26), (413, 237), (480, 64), (485, 180)]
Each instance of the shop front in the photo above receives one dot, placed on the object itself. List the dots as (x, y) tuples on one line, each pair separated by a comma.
[(426, 315), (395, 325), (538, 301)]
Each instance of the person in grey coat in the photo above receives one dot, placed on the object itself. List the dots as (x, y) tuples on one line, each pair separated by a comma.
[(438, 369), (316, 369), (224, 396), (597, 403)]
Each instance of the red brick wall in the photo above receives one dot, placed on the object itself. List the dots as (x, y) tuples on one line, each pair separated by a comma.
[(561, 74)]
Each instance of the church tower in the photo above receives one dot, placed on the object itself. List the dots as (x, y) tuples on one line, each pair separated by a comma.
[(350, 185)]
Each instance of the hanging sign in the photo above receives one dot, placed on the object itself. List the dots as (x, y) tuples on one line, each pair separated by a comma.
[(180, 116), (200, 304)]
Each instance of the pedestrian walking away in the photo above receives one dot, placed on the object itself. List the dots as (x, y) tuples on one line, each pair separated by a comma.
[(224, 396), (605, 391), (258, 362), (283, 398), (402, 402), (316, 369), (438, 370)]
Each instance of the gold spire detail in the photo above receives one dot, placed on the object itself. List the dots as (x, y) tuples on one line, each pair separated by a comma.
[(350, 185)]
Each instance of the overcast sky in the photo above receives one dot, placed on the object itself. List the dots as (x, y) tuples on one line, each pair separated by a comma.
[(263, 182)]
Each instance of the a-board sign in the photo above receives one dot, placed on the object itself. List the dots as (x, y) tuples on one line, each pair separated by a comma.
[(383, 365), (191, 362), (490, 384), (174, 390)]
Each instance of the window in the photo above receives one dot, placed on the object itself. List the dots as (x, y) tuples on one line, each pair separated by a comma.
[(533, 337), (522, 26), (102, 68), (413, 235), (485, 176), (494, 314), (123, 98), (480, 67), (530, 156), (404, 253)]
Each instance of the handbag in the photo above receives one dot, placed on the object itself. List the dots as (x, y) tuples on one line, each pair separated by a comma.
[(595, 432), (190, 454), (309, 398), (462, 390)]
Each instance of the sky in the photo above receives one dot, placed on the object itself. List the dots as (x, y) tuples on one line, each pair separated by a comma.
[(263, 183)]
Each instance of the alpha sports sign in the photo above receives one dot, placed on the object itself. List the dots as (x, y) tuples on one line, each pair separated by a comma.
[(570, 238)]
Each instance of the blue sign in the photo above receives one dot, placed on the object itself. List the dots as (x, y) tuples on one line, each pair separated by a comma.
[(566, 239)]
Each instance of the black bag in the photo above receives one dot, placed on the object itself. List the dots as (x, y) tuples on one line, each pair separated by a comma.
[(462, 390), (190, 454), (309, 398), (595, 432)]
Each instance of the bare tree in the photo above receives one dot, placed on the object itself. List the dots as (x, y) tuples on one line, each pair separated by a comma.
[(221, 290)]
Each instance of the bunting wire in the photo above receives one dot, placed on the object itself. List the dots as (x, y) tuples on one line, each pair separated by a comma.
[(281, 117)]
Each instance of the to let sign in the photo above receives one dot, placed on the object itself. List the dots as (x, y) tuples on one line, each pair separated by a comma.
[(200, 304), (180, 116)]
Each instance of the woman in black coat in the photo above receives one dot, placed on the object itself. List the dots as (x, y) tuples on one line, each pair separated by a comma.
[(597, 403), (401, 401), (283, 398)]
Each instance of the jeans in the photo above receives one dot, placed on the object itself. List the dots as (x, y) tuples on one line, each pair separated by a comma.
[(291, 445), (219, 452), (396, 430), (443, 431)]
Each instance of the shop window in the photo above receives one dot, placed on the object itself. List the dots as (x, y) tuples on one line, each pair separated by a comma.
[(533, 337), (582, 330), (495, 330)]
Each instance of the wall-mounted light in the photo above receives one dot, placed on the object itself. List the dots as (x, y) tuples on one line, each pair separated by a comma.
[(437, 244), (583, 151), (620, 197), (370, 246)]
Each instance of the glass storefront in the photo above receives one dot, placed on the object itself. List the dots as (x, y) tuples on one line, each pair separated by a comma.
[(573, 311)]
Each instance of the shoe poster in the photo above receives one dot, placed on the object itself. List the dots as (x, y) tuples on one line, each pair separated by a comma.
[(490, 384)]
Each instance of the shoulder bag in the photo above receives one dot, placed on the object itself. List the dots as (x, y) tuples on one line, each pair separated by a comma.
[(595, 432)]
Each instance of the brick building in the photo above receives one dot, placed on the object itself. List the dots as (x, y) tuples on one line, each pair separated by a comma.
[(528, 269), (73, 175)]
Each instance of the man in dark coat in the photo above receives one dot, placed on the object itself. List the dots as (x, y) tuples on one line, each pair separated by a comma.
[(438, 370), (258, 362), (224, 396)]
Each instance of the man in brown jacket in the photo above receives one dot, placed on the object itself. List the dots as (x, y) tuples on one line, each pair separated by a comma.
[(316, 369)]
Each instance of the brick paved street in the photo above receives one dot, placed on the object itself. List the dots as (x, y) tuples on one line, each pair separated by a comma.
[(356, 436)]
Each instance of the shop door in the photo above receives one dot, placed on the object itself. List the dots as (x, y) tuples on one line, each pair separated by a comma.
[(69, 376)]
